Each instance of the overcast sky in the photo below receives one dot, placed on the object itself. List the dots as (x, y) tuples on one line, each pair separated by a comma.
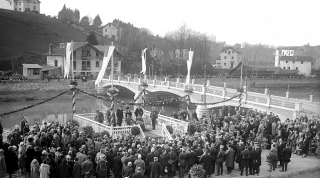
[(272, 22)]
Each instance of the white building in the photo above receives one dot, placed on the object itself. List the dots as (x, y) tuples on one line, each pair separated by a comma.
[(111, 31), (21, 5), (229, 58), (300, 63)]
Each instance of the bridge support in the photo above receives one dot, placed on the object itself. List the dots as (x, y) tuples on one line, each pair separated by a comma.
[(202, 109)]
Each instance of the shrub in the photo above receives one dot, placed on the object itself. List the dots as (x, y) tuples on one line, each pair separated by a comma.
[(135, 130), (197, 171), (103, 133), (170, 129), (88, 131), (74, 123)]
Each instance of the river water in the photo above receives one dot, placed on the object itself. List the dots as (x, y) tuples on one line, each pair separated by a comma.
[(60, 110)]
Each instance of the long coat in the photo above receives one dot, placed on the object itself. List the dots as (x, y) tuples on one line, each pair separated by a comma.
[(155, 169), (254, 155), (173, 157), (163, 162), (11, 162), (230, 158), (117, 166), (207, 162), (77, 168), (191, 159), (35, 172), (245, 158), (2, 166), (44, 170), (286, 155)]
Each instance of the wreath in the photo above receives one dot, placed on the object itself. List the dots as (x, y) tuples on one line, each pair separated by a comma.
[(272, 158), (73, 83), (113, 91), (170, 129), (135, 130), (88, 130), (189, 90), (197, 171), (144, 84)]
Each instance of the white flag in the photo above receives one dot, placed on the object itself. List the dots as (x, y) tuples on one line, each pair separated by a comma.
[(67, 62), (143, 57), (189, 64), (107, 55)]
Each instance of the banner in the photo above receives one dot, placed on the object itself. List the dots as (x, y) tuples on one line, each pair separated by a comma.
[(189, 64), (234, 69), (107, 55), (143, 57), (67, 61)]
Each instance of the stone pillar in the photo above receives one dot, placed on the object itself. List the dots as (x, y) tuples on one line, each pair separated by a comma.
[(224, 85), (268, 101), (202, 109), (154, 82), (165, 79), (119, 78), (298, 107), (128, 79), (311, 98), (168, 84), (287, 94), (109, 77), (178, 80), (140, 81), (208, 82), (192, 81), (266, 91), (145, 77)]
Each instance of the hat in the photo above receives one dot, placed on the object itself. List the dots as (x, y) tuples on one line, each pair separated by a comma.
[(21, 143), (139, 168), (221, 146), (44, 153)]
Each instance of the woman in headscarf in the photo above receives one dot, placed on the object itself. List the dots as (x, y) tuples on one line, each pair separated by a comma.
[(2, 164), (22, 157), (11, 161), (35, 169), (30, 153), (45, 169), (63, 169)]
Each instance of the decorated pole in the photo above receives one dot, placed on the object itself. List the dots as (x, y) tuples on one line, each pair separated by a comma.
[(73, 85)]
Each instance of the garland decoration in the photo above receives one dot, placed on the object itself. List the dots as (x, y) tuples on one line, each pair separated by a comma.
[(218, 102), (240, 96), (33, 105), (93, 96)]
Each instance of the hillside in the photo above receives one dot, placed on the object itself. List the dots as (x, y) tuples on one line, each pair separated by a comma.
[(23, 33)]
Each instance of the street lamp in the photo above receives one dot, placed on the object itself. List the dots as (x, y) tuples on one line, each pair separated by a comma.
[(204, 67)]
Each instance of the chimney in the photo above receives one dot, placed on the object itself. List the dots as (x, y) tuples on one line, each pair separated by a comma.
[(50, 48)]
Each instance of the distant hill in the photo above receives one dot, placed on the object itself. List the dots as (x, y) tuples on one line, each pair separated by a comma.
[(24, 33)]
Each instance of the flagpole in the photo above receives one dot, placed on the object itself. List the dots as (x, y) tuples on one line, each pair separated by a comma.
[(72, 60), (241, 74), (111, 67)]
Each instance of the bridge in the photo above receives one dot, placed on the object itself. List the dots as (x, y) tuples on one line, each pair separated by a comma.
[(284, 107)]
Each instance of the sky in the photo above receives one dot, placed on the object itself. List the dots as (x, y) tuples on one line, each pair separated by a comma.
[(271, 22)]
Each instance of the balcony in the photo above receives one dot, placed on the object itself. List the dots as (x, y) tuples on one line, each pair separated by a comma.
[(86, 68)]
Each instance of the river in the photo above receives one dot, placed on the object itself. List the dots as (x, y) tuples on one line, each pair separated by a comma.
[(60, 110)]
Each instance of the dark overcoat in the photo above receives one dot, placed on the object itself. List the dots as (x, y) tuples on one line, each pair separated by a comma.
[(286, 155), (174, 158), (245, 158), (254, 155), (155, 169), (191, 159), (76, 172), (117, 166), (230, 158), (207, 162)]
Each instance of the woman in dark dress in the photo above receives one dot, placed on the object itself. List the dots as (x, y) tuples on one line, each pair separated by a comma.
[(11, 161), (30, 153)]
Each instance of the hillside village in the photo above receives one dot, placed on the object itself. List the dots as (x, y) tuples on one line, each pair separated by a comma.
[(44, 38)]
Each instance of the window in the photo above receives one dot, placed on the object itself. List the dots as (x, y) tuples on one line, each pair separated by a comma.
[(20, 9), (34, 8), (284, 67), (301, 62), (232, 57), (36, 71), (97, 64), (297, 68), (56, 63), (20, 3), (225, 64), (232, 52), (82, 73), (106, 30), (15, 9), (225, 51), (74, 65), (289, 68), (292, 61), (10, 3), (229, 52), (86, 51), (225, 57), (86, 65), (231, 65)]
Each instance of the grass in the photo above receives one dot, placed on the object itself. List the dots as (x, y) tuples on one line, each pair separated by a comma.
[(29, 33)]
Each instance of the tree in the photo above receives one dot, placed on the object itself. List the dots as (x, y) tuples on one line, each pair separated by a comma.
[(97, 21), (92, 39), (84, 21), (76, 16)]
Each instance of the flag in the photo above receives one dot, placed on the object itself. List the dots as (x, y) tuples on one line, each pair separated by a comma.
[(106, 58), (67, 64), (189, 64), (234, 69), (143, 57)]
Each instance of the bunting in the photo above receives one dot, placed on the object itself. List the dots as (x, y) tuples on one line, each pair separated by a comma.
[(67, 62), (189, 64), (107, 55), (144, 58)]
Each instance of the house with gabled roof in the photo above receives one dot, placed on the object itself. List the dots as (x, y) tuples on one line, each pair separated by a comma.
[(21, 5), (229, 58), (87, 58)]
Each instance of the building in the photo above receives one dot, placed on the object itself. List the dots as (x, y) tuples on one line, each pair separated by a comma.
[(21, 5), (229, 58), (32, 71), (300, 63), (111, 31), (87, 59)]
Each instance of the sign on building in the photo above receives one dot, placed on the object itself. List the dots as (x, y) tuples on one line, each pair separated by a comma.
[(287, 52)]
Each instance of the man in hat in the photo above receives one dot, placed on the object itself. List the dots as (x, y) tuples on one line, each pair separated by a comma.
[(220, 160), (245, 160), (99, 116), (127, 170), (154, 117), (255, 158), (23, 123), (119, 115), (286, 155), (138, 112), (207, 161), (139, 163), (138, 173)]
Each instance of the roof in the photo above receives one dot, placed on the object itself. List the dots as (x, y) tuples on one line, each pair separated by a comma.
[(57, 51), (103, 48), (296, 58), (296, 48), (32, 66), (45, 68), (114, 25), (230, 47)]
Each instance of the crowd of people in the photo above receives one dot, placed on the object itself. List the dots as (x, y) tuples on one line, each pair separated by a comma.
[(232, 136), (11, 76)]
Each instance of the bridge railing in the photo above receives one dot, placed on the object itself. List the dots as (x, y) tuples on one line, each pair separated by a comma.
[(179, 126), (165, 132), (87, 119)]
